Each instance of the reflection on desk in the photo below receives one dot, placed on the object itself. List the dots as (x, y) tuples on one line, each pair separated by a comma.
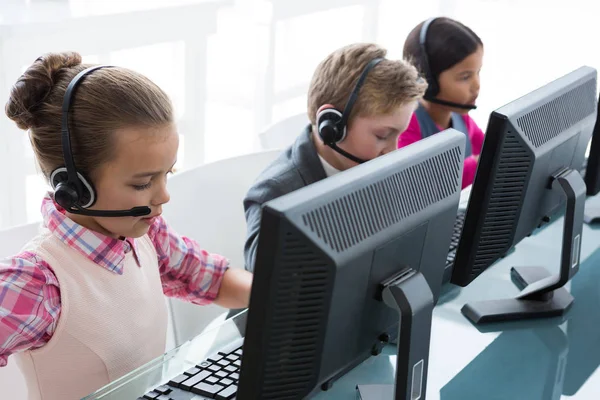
[(519, 364), (541, 362), (583, 328)]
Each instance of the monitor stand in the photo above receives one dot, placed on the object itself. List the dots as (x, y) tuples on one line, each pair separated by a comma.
[(544, 294), (410, 295)]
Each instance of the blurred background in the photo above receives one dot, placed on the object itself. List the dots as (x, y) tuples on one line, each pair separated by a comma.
[(235, 67)]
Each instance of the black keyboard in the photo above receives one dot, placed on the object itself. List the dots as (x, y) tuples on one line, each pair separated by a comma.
[(216, 377), (458, 227)]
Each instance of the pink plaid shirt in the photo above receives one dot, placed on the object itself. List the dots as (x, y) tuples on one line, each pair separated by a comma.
[(30, 293)]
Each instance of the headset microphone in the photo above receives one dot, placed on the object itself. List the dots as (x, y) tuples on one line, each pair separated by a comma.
[(132, 212), (450, 103)]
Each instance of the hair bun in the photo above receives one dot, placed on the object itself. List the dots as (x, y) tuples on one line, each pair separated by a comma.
[(32, 88)]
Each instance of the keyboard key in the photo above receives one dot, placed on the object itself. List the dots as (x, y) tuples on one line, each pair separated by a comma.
[(227, 394), (232, 348), (204, 364), (163, 390), (238, 352), (163, 397), (221, 374), (187, 385), (207, 390), (222, 363), (226, 382), (237, 363), (212, 380), (213, 368), (230, 368), (215, 358), (192, 371), (235, 376), (175, 382), (151, 395), (232, 357)]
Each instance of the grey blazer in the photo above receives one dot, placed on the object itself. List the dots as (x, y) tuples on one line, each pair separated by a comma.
[(296, 167)]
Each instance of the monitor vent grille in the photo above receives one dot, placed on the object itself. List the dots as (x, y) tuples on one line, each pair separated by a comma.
[(351, 219), (292, 360), (549, 120), (497, 231)]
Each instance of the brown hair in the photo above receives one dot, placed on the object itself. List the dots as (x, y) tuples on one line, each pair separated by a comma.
[(107, 100), (390, 84)]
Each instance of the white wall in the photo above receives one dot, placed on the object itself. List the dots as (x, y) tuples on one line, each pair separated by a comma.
[(262, 54)]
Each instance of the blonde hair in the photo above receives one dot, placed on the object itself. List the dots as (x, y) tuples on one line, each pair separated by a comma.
[(390, 84), (107, 100)]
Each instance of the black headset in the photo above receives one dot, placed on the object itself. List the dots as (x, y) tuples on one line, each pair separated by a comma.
[(72, 191), (433, 88), (332, 124)]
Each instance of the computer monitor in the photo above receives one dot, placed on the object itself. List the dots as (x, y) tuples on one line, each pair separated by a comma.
[(528, 172), (592, 171), (337, 261), (592, 175)]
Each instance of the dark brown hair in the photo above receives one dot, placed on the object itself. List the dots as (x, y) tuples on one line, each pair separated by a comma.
[(107, 100), (448, 42)]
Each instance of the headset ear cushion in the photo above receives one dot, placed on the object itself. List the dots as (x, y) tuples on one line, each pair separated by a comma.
[(88, 197), (328, 125), (58, 175), (85, 199)]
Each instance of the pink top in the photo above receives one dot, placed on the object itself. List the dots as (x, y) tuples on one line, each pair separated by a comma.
[(412, 134), (30, 294)]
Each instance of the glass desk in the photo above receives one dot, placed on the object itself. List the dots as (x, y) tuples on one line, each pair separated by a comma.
[(138, 382), (536, 360)]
